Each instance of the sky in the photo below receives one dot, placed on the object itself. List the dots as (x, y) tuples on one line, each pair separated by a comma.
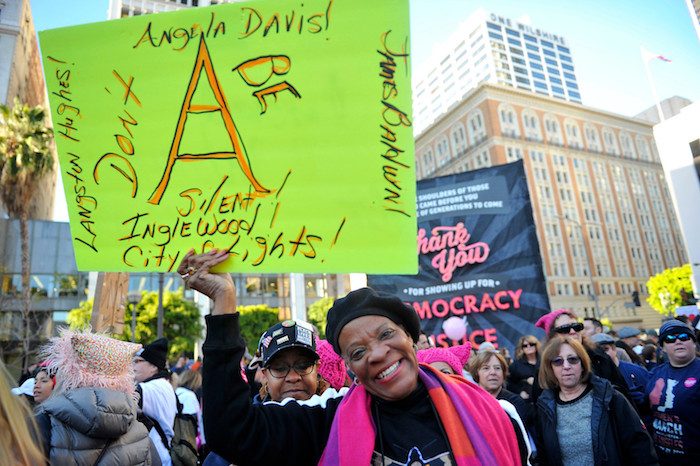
[(604, 37)]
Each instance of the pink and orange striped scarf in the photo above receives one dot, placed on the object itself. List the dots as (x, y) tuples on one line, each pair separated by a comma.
[(479, 432)]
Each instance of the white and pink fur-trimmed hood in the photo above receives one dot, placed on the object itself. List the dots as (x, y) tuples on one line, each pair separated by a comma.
[(85, 359)]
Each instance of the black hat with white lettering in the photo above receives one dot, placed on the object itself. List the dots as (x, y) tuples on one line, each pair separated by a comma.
[(287, 334), (365, 302)]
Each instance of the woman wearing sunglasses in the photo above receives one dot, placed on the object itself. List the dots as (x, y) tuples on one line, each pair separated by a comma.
[(673, 392), (523, 372), (564, 323), (581, 418)]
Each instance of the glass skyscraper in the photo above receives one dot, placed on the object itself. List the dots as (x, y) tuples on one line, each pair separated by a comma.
[(492, 48)]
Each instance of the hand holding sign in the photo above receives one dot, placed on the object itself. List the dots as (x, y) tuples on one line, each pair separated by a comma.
[(195, 270)]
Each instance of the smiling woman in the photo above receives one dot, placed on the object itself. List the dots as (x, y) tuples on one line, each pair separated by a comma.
[(396, 412)]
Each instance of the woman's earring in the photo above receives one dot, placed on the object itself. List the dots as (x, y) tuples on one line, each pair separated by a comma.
[(357, 381)]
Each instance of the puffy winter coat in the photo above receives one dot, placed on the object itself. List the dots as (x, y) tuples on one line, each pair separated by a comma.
[(619, 436), (77, 425)]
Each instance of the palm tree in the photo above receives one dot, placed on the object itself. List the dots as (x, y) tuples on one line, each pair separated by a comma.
[(25, 157)]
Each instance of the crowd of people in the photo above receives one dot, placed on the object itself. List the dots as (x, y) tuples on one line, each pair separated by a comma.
[(374, 392)]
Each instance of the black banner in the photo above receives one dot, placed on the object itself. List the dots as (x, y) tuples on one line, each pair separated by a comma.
[(478, 256)]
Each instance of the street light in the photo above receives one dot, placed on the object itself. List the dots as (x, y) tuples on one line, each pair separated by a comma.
[(593, 294)]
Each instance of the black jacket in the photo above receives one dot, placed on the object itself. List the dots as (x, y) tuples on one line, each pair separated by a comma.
[(619, 436), (518, 373)]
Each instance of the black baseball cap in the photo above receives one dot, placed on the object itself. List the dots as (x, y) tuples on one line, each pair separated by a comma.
[(287, 334)]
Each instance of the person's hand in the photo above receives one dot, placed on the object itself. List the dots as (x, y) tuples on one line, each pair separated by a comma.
[(530, 380), (194, 270), (524, 395)]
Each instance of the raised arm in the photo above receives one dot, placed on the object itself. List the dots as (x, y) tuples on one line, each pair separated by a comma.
[(236, 430)]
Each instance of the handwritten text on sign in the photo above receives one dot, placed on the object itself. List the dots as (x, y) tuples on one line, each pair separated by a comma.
[(280, 133)]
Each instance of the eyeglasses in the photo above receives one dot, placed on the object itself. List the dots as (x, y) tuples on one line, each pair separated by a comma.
[(673, 338), (572, 360), (301, 368), (527, 344), (577, 327)]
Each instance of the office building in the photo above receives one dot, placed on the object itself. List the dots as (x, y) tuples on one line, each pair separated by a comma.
[(604, 215), (670, 108), (495, 49), (21, 77)]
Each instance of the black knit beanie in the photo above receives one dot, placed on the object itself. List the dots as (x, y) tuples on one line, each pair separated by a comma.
[(156, 353), (364, 302)]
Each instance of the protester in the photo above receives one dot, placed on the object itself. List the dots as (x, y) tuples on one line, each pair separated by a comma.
[(91, 417), (591, 326), (635, 376), (523, 371), (290, 362), (157, 399), (674, 397), (302, 358), (44, 384), (649, 355), (389, 414), (489, 369), (562, 323), (423, 341), (18, 432), (576, 407), (630, 335), (450, 360)]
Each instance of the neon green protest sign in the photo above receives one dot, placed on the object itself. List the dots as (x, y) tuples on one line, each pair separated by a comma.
[(280, 131)]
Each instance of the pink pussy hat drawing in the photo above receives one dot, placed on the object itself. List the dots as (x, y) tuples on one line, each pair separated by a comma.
[(86, 359), (546, 321), (455, 356)]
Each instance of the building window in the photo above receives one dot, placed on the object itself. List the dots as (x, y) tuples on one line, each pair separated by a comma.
[(443, 152), (493, 35), (610, 142), (459, 138), (573, 135), (532, 125), (643, 148), (476, 127), (592, 137), (508, 120), (552, 129), (627, 146), (513, 154)]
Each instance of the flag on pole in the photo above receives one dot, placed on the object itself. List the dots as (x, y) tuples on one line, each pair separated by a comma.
[(648, 56)]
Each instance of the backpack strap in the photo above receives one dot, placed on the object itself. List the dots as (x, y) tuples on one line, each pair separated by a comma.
[(161, 432)]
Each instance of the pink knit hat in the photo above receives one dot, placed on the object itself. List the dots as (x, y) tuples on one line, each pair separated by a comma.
[(85, 359), (546, 321), (331, 366), (455, 356)]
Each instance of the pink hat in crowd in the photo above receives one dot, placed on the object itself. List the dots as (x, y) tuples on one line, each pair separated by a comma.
[(546, 321), (331, 366), (85, 359), (455, 356)]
